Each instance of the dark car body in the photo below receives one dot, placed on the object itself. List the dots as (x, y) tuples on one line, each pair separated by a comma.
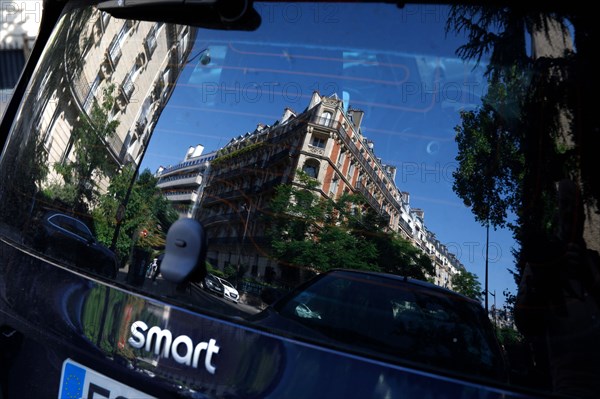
[(59, 233), (406, 319), (107, 78)]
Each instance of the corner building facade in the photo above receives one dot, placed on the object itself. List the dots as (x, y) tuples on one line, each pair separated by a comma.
[(327, 143)]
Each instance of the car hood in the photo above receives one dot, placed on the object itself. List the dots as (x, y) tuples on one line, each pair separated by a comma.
[(229, 289)]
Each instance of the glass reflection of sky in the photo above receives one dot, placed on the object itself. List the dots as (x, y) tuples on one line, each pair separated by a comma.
[(397, 65)]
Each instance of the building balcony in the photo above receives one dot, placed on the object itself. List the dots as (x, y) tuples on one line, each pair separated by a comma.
[(211, 199), (182, 196), (191, 165), (277, 157), (368, 196), (326, 122), (405, 227), (180, 181), (235, 172), (315, 150)]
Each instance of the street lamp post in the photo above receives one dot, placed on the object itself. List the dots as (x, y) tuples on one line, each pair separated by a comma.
[(487, 247), (246, 208)]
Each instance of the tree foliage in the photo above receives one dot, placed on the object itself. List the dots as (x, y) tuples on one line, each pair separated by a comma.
[(306, 233), (147, 210), (490, 159), (508, 336), (467, 284), (310, 234), (527, 134), (395, 255), (91, 161)]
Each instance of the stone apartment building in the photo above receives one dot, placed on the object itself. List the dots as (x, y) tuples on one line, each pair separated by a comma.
[(327, 143), (139, 61), (182, 184)]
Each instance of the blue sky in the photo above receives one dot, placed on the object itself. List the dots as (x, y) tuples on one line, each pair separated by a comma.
[(398, 65)]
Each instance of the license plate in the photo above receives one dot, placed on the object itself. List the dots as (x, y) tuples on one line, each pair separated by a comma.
[(78, 381)]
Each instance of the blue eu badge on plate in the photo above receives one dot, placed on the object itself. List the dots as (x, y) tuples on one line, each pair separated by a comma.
[(81, 382)]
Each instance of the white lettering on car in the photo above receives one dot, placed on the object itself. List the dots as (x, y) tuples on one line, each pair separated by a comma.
[(160, 342)]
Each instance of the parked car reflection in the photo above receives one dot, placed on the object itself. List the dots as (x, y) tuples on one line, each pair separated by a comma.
[(69, 239), (212, 284), (229, 290), (407, 319)]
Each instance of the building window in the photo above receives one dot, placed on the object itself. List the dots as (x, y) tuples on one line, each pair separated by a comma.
[(351, 170), (326, 118), (318, 142), (311, 168), (115, 47), (91, 94), (165, 83), (105, 19), (151, 39), (334, 186), (341, 158), (128, 85)]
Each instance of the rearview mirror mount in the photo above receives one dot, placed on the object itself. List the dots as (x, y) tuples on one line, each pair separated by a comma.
[(185, 252)]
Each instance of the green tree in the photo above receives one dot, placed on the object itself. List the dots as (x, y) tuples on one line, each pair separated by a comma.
[(312, 234), (308, 236), (556, 134), (92, 162), (467, 284), (508, 161), (395, 255), (508, 336), (490, 160), (539, 108), (28, 170), (146, 210)]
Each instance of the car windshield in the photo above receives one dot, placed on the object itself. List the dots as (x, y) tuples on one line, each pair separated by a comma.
[(399, 319), (226, 283), (448, 144)]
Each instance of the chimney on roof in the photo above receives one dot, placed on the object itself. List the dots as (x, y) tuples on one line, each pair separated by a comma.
[(391, 171), (287, 114), (406, 197), (356, 116), (419, 212), (194, 152), (314, 100)]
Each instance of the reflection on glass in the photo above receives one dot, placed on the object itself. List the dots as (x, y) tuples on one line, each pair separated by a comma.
[(404, 319), (89, 126), (324, 149), (119, 124)]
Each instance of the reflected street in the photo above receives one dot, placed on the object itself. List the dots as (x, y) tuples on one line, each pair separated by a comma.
[(193, 293)]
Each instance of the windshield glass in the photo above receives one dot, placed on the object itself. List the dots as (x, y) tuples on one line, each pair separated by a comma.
[(399, 319), (225, 282), (406, 140)]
